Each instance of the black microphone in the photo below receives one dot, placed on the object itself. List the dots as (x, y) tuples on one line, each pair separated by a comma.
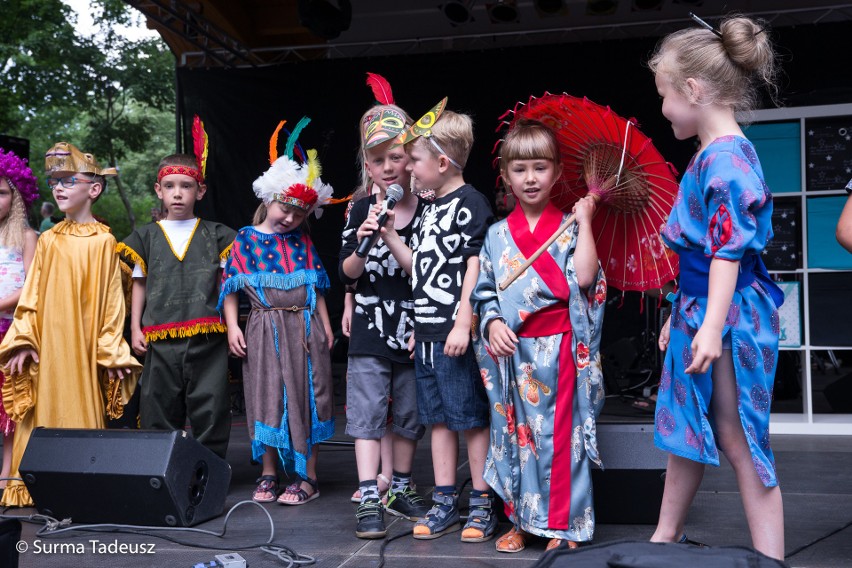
[(393, 194)]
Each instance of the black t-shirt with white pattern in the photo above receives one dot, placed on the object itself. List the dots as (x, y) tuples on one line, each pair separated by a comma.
[(452, 230), (383, 317)]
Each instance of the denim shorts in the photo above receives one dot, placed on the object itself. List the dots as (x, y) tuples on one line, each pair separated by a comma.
[(449, 389), (370, 383)]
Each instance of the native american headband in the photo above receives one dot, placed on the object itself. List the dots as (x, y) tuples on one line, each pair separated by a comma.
[(291, 182), (200, 148), (65, 157)]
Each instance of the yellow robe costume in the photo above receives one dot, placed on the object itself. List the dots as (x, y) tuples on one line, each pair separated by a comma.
[(71, 312)]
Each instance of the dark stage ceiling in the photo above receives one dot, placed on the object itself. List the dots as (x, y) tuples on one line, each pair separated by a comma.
[(250, 33)]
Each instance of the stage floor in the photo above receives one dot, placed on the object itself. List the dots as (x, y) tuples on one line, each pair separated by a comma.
[(814, 472)]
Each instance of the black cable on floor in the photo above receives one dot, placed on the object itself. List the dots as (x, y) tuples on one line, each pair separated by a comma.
[(817, 540), (386, 543), (53, 527)]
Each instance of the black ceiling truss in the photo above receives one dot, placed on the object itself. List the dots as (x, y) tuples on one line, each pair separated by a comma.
[(214, 43)]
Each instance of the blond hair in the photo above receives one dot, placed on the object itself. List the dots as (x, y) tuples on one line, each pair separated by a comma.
[(729, 67), (453, 132), (529, 140), (13, 227), (363, 189)]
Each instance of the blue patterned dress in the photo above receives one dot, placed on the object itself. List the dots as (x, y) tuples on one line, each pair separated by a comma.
[(287, 370), (545, 398), (723, 210)]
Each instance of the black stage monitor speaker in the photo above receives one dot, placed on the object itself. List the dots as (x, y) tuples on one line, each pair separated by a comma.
[(136, 477), (629, 490), (10, 536)]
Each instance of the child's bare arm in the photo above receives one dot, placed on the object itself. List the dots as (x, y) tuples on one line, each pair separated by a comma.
[(236, 340), (585, 253), (326, 322), (348, 307), (459, 337), (707, 344), (137, 306)]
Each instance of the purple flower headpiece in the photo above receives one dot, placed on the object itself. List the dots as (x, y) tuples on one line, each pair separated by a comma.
[(19, 176)]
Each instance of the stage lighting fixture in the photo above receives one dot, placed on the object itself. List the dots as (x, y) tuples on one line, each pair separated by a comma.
[(503, 12), (601, 7), (548, 7), (646, 5), (458, 12)]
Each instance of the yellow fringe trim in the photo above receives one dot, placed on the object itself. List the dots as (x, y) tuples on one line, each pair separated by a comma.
[(125, 250), (181, 332), (223, 256)]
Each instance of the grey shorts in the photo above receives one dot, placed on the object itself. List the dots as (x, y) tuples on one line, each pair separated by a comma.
[(370, 383)]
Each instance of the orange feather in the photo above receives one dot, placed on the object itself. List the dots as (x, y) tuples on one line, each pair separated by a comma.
[(273, 143)]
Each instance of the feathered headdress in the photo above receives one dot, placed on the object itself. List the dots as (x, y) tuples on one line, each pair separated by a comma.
[(291, 182), (200, 147), (19, 176), (388, 122)]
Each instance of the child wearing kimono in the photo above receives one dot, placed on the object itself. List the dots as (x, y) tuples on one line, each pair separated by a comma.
[(721, 340), (287, 371), (538, 350)]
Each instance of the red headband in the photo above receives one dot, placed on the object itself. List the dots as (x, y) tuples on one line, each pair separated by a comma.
[(184, 170)]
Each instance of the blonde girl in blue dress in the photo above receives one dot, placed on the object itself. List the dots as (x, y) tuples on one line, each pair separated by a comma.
[(721, 341)]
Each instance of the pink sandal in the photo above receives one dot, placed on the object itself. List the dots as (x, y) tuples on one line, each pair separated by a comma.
[(265, 484), (301, 494)]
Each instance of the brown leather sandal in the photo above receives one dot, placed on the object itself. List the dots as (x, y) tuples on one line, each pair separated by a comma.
[(555, 542), (513, 541)]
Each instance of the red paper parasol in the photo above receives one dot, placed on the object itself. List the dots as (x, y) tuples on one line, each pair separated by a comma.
[(606, 155)]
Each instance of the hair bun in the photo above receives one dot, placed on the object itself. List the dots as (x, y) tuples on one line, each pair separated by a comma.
[(747, 44)]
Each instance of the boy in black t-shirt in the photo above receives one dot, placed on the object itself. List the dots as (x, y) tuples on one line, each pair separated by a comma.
[(444, 265)]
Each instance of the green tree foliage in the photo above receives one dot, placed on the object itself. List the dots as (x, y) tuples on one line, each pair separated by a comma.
[(107, 94)]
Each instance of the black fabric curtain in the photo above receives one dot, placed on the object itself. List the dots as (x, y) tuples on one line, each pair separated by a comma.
[(241, 107)]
